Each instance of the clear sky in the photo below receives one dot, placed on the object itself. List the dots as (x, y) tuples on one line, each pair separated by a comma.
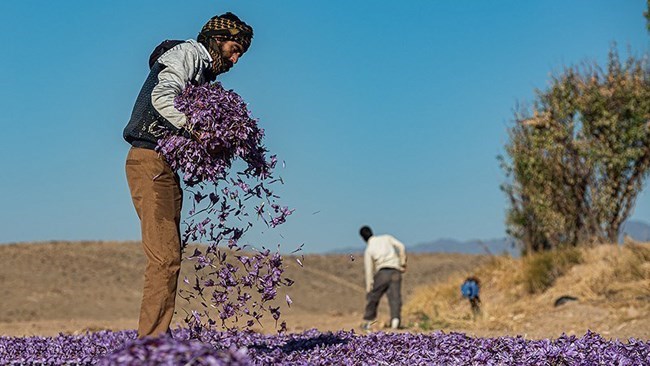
[(387, 113)]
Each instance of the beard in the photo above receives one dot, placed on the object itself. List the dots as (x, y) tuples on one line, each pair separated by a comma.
[(220, 64), (226, 65)]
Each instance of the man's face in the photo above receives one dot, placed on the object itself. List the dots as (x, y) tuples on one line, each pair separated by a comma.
[(231, 51)]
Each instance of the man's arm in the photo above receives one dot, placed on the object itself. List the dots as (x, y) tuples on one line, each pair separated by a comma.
[(369, 268), (182, 64), (401, 252)]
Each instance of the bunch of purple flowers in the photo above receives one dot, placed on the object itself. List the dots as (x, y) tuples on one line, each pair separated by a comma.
[(219, 131)]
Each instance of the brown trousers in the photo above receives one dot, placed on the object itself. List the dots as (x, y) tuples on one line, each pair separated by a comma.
[(157, 197)]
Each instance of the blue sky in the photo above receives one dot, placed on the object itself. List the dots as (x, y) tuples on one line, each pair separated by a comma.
[(386, 113)]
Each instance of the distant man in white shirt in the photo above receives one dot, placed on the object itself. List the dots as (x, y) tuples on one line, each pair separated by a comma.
[(384, 262)]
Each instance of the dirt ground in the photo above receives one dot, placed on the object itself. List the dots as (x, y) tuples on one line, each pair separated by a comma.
[(61, 287)]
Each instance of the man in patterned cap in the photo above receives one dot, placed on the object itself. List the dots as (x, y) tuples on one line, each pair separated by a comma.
[(155, 187), (223, 36)]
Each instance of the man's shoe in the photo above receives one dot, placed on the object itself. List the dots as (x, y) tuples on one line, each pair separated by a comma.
[(366, 325), (394, 323)]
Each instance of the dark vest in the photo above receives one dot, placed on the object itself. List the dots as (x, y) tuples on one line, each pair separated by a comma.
[(146, 126)]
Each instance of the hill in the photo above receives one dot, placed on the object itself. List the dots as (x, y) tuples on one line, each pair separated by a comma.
[(605, 289), (73, 286)]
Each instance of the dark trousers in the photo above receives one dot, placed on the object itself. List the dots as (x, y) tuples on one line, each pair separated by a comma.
[(386, 280), (157, 197)]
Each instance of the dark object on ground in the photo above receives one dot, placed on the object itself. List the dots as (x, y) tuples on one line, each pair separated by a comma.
[(564, 299)]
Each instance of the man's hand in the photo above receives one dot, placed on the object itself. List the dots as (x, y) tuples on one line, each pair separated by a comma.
[(403, 269), (195, 136), (199, 137)]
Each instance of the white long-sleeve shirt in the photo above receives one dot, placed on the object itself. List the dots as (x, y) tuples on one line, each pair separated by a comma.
[(184, 63), (383, 251), (154, 111)]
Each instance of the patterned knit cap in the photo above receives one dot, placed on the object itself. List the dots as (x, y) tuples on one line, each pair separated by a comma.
[(220, 28)]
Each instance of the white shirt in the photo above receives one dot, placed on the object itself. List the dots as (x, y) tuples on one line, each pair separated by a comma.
[(383, 251), (184, 63)]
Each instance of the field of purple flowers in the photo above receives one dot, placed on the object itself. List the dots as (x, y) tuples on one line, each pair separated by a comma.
[(316, 348)]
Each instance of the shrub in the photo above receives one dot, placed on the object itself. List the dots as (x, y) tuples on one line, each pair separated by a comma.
[(540, 270), (578, 158)]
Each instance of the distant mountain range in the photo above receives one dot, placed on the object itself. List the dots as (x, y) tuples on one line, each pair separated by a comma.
[(492, 246), (637, 230), (447, 245)]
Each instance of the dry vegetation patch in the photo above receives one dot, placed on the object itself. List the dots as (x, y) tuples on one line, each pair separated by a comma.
[(72, 287), (611, 284)]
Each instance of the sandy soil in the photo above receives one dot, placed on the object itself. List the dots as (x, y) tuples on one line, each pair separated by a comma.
[(50, 288)]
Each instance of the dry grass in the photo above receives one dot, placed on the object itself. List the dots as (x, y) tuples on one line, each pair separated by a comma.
[(612, 284), (540, 271), (72, 286)]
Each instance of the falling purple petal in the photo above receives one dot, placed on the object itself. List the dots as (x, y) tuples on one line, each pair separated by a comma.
[(223, 133)]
